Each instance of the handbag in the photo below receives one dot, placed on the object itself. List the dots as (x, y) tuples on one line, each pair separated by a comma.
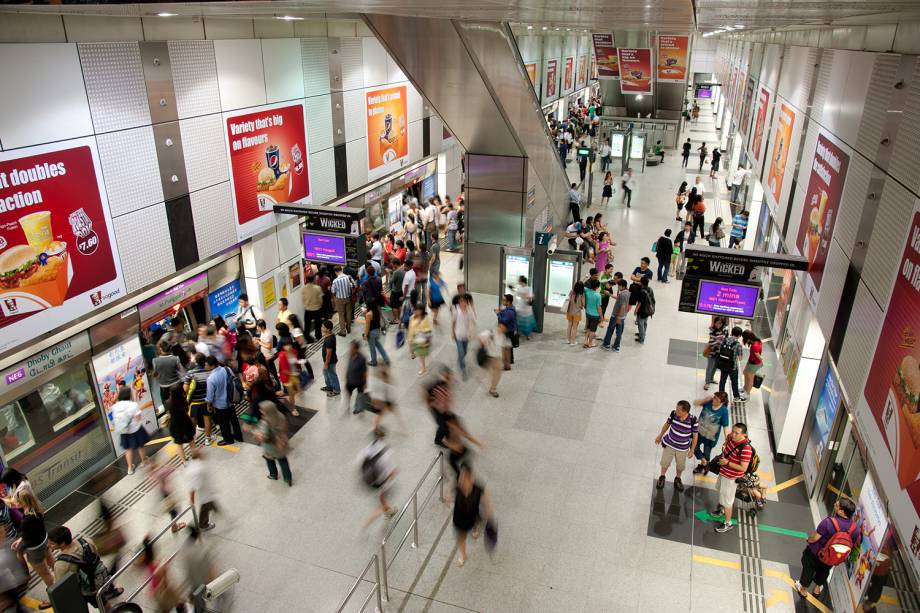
[(565, 306), (482, 356), (400, 338), (655, 247), (515, 339), (306, 378), (363, 402), (758, 381)]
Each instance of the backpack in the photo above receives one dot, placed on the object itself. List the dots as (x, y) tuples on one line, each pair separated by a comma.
[(725, 356), (699, 208), (754, 464), (234, 388), (370, 469), (647, 308), (838, 547), (90, 571)]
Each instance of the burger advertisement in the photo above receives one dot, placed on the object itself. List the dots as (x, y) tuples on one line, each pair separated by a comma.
[(57, 255), (605, 52), (268, 153), (568, 83), (822, 202), (892, 391), (551, 77), (387, 130), (672, 58), (635, 70)]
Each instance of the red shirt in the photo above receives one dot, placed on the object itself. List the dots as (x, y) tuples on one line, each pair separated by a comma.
[(733, 454), (756, 347)]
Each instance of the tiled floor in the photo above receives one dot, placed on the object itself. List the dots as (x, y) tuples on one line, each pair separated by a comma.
[(568, 457)]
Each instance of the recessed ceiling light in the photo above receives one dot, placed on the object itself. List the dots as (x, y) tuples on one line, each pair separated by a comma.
[(289, 18), (166, 14), (568, 29), (530, 27), (545, 28), (639, 97), (739, 26), (557, 29)]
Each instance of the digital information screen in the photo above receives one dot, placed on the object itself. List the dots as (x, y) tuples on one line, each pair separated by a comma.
[(616, 145), (560, 282), (324, 248), (637, 147), (722, 298), (515, 266)]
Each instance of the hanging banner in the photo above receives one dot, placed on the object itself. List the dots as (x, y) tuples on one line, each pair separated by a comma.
[(673, 52), (781, 144), (267, 149), (822, 202), (118, 367), (760, 120), (605, 54), (569, 78), (745, 124), (531, 68), (387, 130), (581, 75), (592, 73), (635, 70), (551, 78), (57, 250)]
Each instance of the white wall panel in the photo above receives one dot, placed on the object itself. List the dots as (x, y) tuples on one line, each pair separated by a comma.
[(351, 56), (796, 76), (239, 73), (48, 102), (311, 28), (144, 246), (852, 202), (416, 140), (904, 163), (29, 28), (90, 28), (194, 71), (394, 72), (435, 132), (875, 112), (375, 62), (283, 69), (851, 103), (274, 28), (216, 28), (355, 120), (859, 342), (204, 151), (819, 111), (314, 54), (414, 103), (289, 246), (130, 168), (322, 174), (114, 85), (832, 281), (342, 28), (356, 152), (319, 122), (174, 28), (212, 211), (887, 241), (772, 61)]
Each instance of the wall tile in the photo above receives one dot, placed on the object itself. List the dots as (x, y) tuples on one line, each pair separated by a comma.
[(239, 73), (904, 159), (415, 141), (414, 103), (322, 176), (875, 112), (48, 102), (32, 28), (204, 151), (351, 55), (131, 170), (375, 62), (115, 85), (144, 246), (194, 70), (174, 28), (887, 241), (314, 54), (94, 28), (283, 64), (212, 210), (216, 28), (357, 163), (394, 73), (319, 122), (274, 28), (355, 121)]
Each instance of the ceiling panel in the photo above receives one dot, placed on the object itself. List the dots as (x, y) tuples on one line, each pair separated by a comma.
[(761, 14)]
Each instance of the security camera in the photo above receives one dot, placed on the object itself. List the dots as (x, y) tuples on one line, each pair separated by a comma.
[(552, 246)]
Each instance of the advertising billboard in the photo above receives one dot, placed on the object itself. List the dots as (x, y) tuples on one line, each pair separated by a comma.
[(267, 149), (552, 69), (324, 248), (58, 259), (763, 103), (732, 299), (825, 414), (673, 52), (605, 54), (569, 75), (635, 70), (782, 135), (387, 130), (559, 282), (225, 300), (531, 68), (581, 75)]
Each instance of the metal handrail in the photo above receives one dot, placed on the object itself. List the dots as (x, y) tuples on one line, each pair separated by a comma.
[(413, 527), (375, 562), (100, 600)]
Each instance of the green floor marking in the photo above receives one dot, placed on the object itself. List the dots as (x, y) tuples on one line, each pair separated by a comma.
[(786, 531), (706, 517)]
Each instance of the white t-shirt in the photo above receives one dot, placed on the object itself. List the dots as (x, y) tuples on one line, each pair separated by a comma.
[(700, 188), (738, 176), (523, 296), (266, 337), (196, 475), (376, 251), (408, 282)]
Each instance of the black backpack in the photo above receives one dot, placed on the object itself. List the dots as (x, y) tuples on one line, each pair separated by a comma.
[(370, 469), (91, 572), (725, 357)]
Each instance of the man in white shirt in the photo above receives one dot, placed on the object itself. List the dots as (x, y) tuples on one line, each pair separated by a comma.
[(605, 156), (247, 314), (738, 179), (376, 252), (700, 188), (408, 283)]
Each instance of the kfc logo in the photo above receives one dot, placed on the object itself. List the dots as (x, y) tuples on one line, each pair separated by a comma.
[(10, 307), (96, 297)]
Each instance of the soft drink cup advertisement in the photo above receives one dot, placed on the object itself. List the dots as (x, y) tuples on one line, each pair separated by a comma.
[(531, 68), (268, 152), (822, 201), (581, 76), (635, 70), (672, 57), (387, 130), (781, 144), (57, 255)]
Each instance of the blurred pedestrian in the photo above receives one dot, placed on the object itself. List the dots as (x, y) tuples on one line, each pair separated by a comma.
[(32, 544), (471, 505), (523, 306), (489, 356), (164, 593), (181, 426), (507, 316), (378, 472), (355, 376), (129, 423), (330, 360), (419, 336), (289, 369), (272, 433), (462, 328), (373, 327), (161, 473), (201, 488)]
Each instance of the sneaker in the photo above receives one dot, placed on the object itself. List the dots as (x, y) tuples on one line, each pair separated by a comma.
[(660, 484), (606, 347), (325, 388), (207, 527), (743, 397), (372, 363), (331, 394), (678, 484), (724, 527), (130, 470), (700, 469), (389, 513), (224, 443), (798, 588), (207, 442), (719, 511), (616, 349)]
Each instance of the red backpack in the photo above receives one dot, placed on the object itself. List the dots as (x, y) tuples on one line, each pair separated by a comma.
[(839, 545)]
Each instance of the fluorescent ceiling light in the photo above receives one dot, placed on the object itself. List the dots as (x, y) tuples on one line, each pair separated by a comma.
[(557, 29), (739, 26), (166, 14), (289, 18)]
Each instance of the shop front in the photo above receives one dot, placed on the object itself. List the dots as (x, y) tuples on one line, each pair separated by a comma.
[(384, 204), (53, 428)]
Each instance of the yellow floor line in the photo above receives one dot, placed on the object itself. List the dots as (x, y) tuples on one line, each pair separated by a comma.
[(28, 601), (705, 479), (767, 573), (764, 475), (717, 562), (786, 484), (777, 596), (157, 441), (788, 581), (233, 448)]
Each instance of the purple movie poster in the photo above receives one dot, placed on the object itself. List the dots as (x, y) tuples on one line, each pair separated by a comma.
[(719, 298), (323, 248)]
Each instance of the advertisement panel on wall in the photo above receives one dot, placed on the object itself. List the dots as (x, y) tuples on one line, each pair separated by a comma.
[(605, 54), (763, 104), (568, 79), (58, 259), (822, 202), (673, 52), (324, 248), (552, 68), (387, 130), (782, 137), (581, 76), (225, 300), (825, 414), (267, 149), (531, 68), (123, 365), (635, 70), (745, 124)]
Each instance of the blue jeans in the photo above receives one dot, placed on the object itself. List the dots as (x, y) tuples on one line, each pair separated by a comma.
[(664, 267), (374, 344), (704, 447), (733, 376), (461, 355), (643, 325), (332, 379), (616, 326), (273, 470), (451, 240)]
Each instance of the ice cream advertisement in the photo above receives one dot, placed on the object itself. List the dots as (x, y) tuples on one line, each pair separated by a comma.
[(635, 70), (822, 202), (782, 135), (569, 75), (387, 130), (605, 53), (552, 69), (57, 252), (268, 153), (763, 103), (672, 57)]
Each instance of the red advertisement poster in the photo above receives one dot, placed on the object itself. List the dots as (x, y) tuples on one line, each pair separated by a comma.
[(892, 389), (531, 68), (781, 137), (605, 53), (387, 130), (745, 124), (568, 80), (760, 120), (673, 52), (592, 74), (635, 70), (551, 77), (267, 149), (822, 202), (58, 259), (581, 76)]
